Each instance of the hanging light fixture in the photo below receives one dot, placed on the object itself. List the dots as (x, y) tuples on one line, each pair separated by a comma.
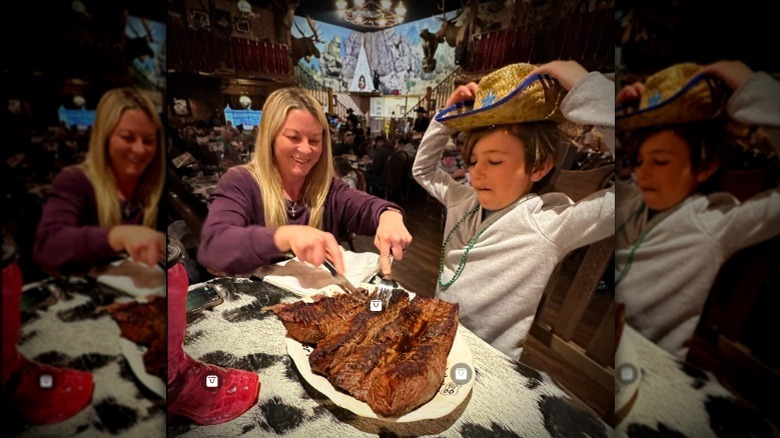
[(244, 7), (245, 101), (372, 13)]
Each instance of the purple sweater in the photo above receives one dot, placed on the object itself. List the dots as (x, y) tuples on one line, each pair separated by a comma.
[(234, 239), (68, 237)]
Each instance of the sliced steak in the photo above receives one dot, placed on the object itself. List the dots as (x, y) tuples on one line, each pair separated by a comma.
[(145, 324), (349, 355), (310, 322), (394, 360), (412, 377)]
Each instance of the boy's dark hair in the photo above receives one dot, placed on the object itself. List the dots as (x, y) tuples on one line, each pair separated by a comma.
[(540, 141), (707, 143)]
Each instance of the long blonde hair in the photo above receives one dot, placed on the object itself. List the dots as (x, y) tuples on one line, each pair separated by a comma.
[(263, 166), (97, 165)]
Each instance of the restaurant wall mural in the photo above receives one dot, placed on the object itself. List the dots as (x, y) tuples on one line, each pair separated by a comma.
[(145, 52), (394, 56)]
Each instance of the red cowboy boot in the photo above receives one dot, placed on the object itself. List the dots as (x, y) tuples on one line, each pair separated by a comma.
[(204, 393), (39, 393)]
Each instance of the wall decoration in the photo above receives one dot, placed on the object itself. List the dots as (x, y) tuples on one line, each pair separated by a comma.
[(221, 19), (181, 107), (248, 118), (393, 55), (145, 52), (242, 25), (201, 19)]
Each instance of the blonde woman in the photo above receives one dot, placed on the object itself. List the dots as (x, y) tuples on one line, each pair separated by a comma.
[(95, 210), (109, 203), (288, 198)]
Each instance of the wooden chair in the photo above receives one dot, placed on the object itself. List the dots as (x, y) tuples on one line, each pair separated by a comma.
[(737, 335), (570, 307)]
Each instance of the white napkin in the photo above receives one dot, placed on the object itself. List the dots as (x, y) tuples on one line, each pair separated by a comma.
[(134, 278), (305, 280)]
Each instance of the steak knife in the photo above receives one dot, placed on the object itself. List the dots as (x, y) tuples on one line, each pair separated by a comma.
[(344, 283)]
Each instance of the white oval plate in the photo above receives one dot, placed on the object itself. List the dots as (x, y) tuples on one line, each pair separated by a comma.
[(449, 396), (626, 355), (134, 354)]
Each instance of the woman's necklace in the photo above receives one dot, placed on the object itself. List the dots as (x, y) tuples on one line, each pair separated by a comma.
[(293, 207), (465, 256)]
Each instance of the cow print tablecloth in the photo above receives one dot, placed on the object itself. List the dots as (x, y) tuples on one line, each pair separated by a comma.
[(675, 399), (508, 399), (72, 333)]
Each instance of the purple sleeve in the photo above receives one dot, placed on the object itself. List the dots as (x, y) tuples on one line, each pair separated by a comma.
[(68, 237), (354, 210), (234, 239)]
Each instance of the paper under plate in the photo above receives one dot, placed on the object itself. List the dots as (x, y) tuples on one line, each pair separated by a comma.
[(449, 396), (133, 278), (135, 357), (305, 280)]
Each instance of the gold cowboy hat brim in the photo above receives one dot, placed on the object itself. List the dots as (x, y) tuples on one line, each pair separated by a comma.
[(700, 98), (536, 98)]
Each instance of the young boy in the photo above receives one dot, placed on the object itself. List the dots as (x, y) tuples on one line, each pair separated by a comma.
[(672, 236), (502, 241)]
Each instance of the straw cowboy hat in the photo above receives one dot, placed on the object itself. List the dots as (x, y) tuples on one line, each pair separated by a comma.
[(508, 95), (675, 95)]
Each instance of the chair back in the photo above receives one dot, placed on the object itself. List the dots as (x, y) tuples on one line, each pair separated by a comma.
[(573, 320)]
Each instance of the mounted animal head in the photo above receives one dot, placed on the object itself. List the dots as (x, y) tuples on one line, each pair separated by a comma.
[(304, 47), (430, 43), (449, 31)]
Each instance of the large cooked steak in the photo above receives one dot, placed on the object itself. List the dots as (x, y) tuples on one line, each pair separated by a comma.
[(393, 360)]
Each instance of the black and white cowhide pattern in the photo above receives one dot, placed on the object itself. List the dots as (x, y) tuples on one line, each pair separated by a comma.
[(675, 399), (508, 399), (73, 333)]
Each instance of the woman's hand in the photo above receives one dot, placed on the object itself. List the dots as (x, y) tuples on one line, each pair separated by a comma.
[(567, 73), (733, 73), (392, 237), (310, 245), (463, 93), (143, 244)]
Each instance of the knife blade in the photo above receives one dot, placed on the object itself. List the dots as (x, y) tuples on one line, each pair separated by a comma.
[(344, 283)]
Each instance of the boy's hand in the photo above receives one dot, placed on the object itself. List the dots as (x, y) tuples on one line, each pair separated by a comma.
[(733, 73), (630, 92), (463, 93), (568, 73)]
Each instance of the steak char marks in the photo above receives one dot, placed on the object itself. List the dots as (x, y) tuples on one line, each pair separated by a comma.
[(393, 360), (310, 322)]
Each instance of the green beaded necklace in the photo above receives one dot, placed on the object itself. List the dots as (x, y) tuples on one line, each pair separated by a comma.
[(634, 247), (465, 256)]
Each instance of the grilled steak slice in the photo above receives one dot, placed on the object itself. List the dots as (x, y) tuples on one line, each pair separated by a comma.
[(348, 355), (412, 377), (145, 324), (310, 322), (393, 360)]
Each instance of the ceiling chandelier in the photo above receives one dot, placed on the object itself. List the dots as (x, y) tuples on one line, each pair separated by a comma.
[(372, 13)]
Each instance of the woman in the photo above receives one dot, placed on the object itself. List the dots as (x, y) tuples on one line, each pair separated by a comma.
[(287, 198), (109, 203), (95, 210)]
